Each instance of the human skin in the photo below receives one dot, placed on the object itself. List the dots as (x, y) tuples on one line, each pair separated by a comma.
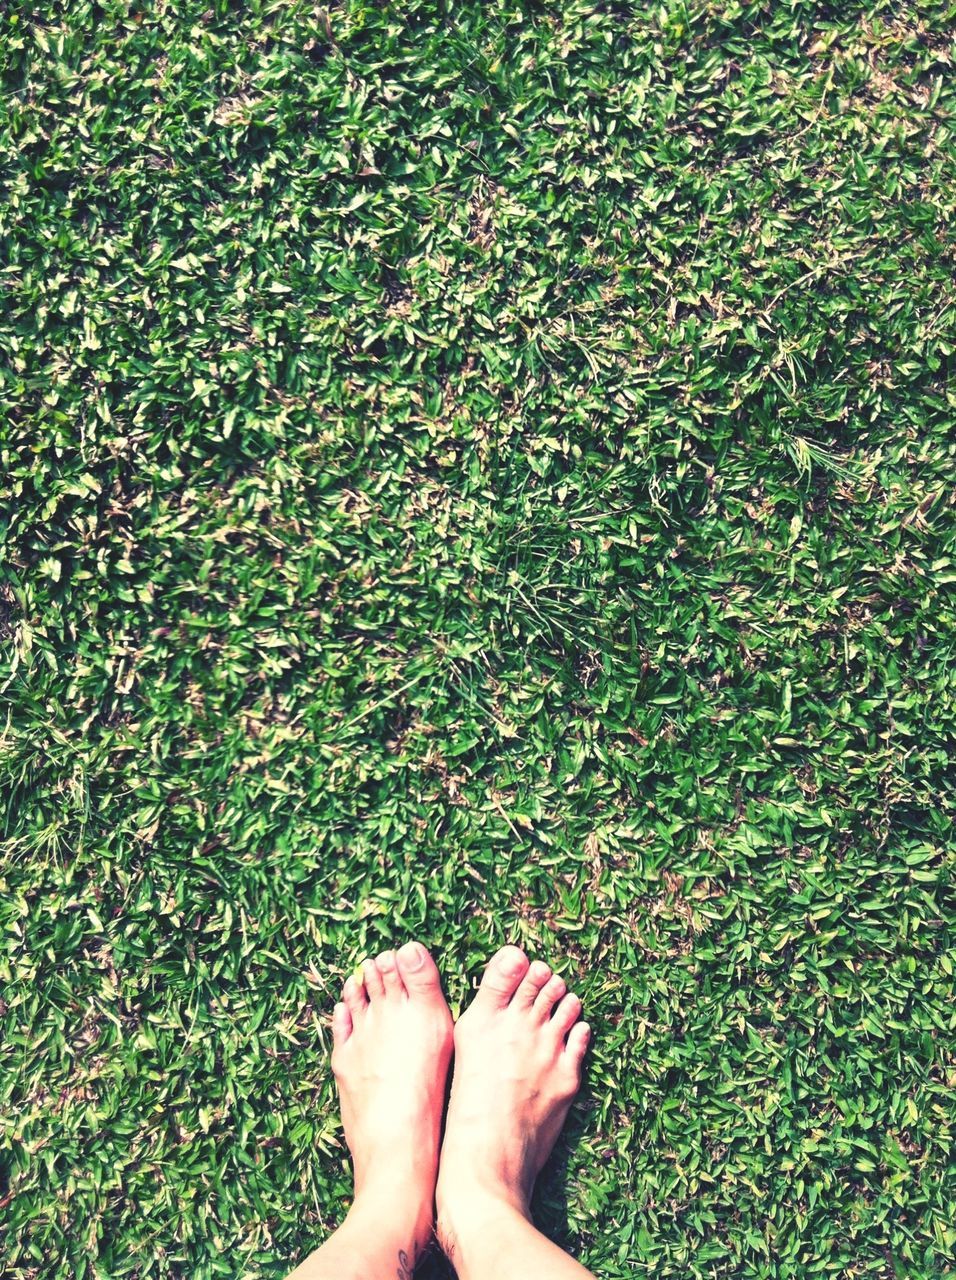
[(518, 1055), (392, 1044)]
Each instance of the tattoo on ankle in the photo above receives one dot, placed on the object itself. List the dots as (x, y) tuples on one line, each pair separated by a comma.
[(406, 1264)]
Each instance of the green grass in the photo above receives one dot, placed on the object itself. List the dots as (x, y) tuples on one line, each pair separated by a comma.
[(480, 474)]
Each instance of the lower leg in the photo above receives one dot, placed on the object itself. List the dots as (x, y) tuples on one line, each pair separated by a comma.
[(489, 1238), (376, 1240), (518, 1055)]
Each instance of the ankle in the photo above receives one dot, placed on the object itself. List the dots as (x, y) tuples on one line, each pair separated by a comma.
[(471, 1206), (391, 1204), (475, 1225), (406, 1174)]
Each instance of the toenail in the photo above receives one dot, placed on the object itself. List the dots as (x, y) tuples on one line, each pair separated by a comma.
[(413, 956)]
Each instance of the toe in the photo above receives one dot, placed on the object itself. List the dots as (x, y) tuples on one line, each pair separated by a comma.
[(373, 980), (354, 997), (341, 1024), (566, 1014), (387, 966), (578, 1039), (505, 970), (549, 995), (532, 982), (419, 972)]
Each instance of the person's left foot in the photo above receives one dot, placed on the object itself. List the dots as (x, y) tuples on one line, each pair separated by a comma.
[(392, 1042)]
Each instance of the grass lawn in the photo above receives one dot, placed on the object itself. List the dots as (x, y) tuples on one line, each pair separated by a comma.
[(481, 474)]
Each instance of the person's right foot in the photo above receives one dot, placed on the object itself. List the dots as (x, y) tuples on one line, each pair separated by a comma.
[(518, 1054)]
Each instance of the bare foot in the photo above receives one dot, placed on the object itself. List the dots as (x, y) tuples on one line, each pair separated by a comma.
[(392, 1042), (518, 1054)]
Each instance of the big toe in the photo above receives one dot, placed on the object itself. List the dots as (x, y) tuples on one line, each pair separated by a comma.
[(419, 972), (505, 970)]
